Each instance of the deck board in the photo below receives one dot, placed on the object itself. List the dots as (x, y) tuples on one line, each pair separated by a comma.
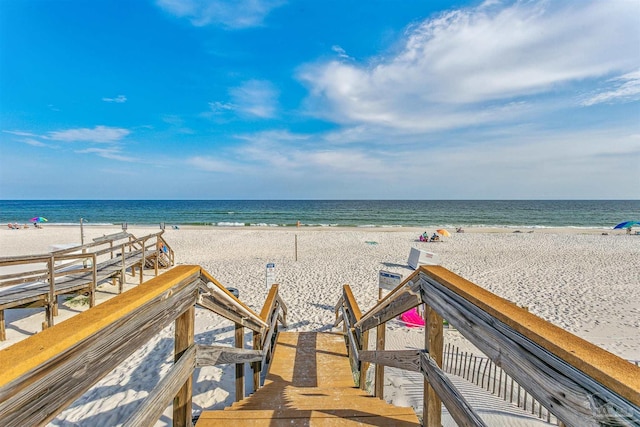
[(310, 383)]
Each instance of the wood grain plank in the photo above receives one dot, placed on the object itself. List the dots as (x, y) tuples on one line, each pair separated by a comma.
[(569, 393), (211, 355), (161, 395), (41, 375), (458, 407), (608, 369)]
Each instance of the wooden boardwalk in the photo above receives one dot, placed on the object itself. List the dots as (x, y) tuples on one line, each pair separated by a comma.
[(310, 384), (73, 272)]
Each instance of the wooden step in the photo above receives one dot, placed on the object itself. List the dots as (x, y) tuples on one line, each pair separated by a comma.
[(310, 383), (393, 417)]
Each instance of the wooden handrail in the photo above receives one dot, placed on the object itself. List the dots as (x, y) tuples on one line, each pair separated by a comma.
[(591, 384), (232, 300), (269, 303), (113, 330), (606, 368)]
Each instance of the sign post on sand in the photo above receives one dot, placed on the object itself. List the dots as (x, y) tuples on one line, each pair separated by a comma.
[(388, 281), (270, 278)]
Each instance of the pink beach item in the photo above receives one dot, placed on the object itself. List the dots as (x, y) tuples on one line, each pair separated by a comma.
[(412, 318)]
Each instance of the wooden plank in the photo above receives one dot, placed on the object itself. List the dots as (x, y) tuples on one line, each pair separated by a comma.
[(310, 380), (269, 303), (266, 338), (160, 396), (433, 342), (41, 375), (363, 365), (380, 346), (222, 296), (256, 366), (608, 369), (405, 299), (210, 303), (351, 339), (112, 237), (208, 278), (351, 303), (403, 359), (569, 393), (3, 332), (184, 338), (239, 342), (210, 355), (271, 418), (458, 407), (284, 310)]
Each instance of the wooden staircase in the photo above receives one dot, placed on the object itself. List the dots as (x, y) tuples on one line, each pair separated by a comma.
[(163, 260), (310, 384)]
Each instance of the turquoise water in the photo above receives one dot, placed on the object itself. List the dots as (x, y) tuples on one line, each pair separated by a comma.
[(347, 213)]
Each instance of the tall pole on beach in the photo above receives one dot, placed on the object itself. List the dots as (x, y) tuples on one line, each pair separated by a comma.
[(81, 232)]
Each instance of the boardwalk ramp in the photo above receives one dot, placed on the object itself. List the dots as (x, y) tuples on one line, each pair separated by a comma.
[(310, 383)]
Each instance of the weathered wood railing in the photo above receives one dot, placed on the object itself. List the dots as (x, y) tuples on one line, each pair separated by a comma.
[(43, 374), (580, 383), (77, 269)]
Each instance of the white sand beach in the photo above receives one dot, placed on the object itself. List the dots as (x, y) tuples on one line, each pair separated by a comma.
[(580, 280)]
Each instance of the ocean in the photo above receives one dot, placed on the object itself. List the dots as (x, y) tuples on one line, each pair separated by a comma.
[(330, 213)]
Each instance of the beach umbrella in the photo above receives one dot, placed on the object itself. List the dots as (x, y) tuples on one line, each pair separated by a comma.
[(39, 219), (626, 224), (443, 232)]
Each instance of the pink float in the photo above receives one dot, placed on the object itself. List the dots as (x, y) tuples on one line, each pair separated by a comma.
[(412, 318)]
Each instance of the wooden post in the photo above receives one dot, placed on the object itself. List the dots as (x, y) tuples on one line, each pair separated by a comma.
[(239, 366), (184, 338), (297, 243), (3, 333), (144, 244), (257, 338), (433, 343), (380, 344), (158, 251), (94, 281), (51, 303), (123, 275), (364, 366)]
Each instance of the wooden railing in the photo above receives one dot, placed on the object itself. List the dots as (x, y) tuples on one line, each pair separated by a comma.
[(77, 269), (578, 382), (43, 374)]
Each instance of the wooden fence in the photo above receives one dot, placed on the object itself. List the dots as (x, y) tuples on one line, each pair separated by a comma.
[(43, 374), (580, 383)]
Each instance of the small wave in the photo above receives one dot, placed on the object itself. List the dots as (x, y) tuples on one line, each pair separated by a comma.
[(230, 224)]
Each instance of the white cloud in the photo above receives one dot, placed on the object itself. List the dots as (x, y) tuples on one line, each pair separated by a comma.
[(468, 66), (108, 153), (228, 13), (627, 89), (99, 134), (34, 142), (254, 98), (340, 51), (20, 133), (118, 99)]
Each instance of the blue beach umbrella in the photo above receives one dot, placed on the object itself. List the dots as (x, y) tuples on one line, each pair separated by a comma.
[(626, 224), (39, 219)]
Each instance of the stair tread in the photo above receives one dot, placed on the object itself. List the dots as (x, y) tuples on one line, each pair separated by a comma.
[(310, 383)]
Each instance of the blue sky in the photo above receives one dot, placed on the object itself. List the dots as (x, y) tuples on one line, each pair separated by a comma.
[(255, 99)]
